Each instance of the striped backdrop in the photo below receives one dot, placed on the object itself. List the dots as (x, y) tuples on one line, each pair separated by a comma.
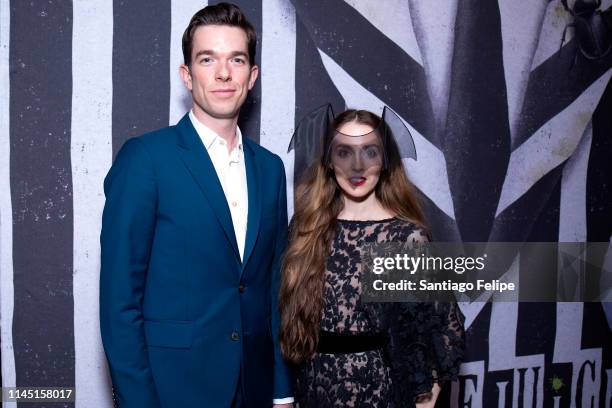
[(513, 134)]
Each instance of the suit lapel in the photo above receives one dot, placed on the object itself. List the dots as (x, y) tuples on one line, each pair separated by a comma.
[(196, 159), (254, 215)]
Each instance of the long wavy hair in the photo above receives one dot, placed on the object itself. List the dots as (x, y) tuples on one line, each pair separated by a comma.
[(318, 201)]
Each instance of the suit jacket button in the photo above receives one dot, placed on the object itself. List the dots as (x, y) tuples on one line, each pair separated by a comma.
[(241, 288), (235, 336)]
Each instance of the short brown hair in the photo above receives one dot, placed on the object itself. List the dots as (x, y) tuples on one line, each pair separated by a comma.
[(219, 14)]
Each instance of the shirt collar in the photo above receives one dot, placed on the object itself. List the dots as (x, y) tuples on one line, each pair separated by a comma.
[(208, 136)]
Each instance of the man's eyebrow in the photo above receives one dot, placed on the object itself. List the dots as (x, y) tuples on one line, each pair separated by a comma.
[(204, 52), (211, 52), (238, 53)]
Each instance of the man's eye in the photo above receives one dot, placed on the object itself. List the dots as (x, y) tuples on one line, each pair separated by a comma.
[(239, 60), (206, 60)]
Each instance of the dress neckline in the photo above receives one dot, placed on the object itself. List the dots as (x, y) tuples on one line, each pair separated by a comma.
[(357, 222)]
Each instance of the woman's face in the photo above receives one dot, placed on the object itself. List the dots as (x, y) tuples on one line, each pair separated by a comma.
[(356, 161)]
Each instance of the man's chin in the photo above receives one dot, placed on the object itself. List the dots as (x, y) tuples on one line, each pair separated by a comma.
[(221, 113)]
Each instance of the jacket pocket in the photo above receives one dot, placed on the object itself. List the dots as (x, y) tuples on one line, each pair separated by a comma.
[(172, 334)]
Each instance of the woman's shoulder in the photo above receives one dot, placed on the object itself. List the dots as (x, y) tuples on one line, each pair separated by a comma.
[(406, 230)]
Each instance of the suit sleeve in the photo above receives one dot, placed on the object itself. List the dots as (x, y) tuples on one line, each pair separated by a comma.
[(282, 379), (128, 225)]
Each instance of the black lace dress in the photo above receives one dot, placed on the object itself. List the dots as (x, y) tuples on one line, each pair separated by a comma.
[(426, 340)]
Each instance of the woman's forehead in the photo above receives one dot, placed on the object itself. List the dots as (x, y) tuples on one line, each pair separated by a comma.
[(368, 138), (355, 128)]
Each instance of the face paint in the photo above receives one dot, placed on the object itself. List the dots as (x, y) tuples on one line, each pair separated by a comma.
[(357, 159), (356, 154), (311, 138)]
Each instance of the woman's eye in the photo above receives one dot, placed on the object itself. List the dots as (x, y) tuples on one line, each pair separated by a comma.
[(342, 153), (372, 152)]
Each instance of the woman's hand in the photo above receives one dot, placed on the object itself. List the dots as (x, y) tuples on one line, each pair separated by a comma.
[(429, 400)]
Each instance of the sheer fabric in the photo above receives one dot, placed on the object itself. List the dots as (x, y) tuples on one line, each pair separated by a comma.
[(426, 340)]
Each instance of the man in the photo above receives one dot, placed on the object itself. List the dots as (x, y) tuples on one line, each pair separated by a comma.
[(192, 235)]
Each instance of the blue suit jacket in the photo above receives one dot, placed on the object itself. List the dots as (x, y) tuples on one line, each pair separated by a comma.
[(181, 316)]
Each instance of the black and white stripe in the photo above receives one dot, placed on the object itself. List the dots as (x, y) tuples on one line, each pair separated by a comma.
[(141, 84), (91, 155), (513, 145), (250, 112), (7, 356), (41, 192)]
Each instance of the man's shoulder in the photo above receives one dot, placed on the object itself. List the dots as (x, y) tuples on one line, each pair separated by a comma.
[(148, 147), (159, 137), (262, 154)]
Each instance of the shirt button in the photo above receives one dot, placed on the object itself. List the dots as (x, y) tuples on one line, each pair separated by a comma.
[(234, 204), (235, 336), (241, 288), (222, 142)]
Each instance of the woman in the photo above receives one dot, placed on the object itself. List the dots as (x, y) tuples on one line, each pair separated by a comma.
[(350, 353)]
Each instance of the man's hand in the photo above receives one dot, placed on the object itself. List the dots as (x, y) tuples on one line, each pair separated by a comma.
[(282, 406)]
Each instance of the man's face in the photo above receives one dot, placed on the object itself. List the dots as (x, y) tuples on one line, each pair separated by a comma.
[(220, 75)]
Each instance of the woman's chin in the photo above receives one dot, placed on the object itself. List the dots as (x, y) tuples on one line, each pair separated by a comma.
[(359, 193)]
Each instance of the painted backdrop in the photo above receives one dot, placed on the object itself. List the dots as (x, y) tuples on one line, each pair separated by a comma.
[(513, 134)]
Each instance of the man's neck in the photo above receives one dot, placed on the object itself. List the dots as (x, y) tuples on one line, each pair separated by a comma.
[(225, 128)]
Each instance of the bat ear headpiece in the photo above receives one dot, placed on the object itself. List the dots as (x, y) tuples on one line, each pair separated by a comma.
[(315, 138)]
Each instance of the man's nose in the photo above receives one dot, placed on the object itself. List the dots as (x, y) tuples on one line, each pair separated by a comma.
[(223, 72)]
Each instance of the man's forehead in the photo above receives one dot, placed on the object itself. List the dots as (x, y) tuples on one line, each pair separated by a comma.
[(222, 38)]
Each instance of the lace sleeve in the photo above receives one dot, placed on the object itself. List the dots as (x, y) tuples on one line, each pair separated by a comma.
[(427, 343), (448, 341), (426, 346)]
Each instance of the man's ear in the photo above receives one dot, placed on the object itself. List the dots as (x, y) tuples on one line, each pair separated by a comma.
[(185, 74), (254, 75)]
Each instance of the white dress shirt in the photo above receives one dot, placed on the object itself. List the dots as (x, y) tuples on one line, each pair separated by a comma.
[(231, 171)]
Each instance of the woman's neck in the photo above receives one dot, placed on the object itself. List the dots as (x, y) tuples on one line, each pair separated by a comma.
[(366, 209)]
